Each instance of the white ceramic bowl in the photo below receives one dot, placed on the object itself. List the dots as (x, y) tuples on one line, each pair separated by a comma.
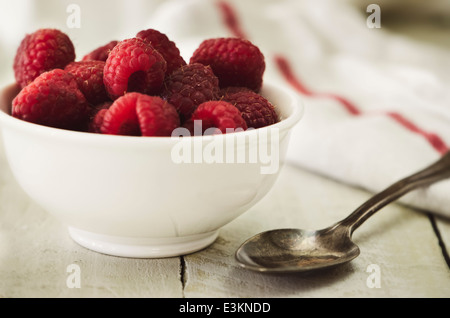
[(131, 196)]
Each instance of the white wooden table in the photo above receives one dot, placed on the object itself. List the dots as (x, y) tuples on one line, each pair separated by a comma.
[(400, 255)]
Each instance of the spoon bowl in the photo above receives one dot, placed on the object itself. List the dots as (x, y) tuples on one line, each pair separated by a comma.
[(296, 250)]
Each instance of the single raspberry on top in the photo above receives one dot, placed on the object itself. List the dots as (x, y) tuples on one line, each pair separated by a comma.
[(235, 61), (221, 115), (256, 110), (42, 51), (134, 65), (101, 53), (137, 114), (189, 86), (165, 46), (52, 99), (89, 75)]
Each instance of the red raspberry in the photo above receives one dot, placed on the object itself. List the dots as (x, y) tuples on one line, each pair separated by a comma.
[(256, 110), (217, 114), (233, 89), (189, 86), (134, 65), (189, 125), (101, 53), (235, 61), (97, 117), (89, 76), (52, 99), (42, 51), (165, 46), (137, 114)]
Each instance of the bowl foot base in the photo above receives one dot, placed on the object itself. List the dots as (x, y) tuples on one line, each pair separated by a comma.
[(142, 247)]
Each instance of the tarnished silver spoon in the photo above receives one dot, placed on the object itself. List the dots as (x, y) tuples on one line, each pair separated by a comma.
[(296, 250)]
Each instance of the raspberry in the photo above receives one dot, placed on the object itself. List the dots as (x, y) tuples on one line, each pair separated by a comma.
[(89, 75), (165, 46), (235, 61), (233, 89), (189, 86), (137, 114), (217, 114), (96, 119), (42, 51), (255, 109), (134, 65), (52, 99), (101, 53), (189, 125)]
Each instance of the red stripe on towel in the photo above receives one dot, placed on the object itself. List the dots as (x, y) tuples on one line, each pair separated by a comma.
[(432, 138), (286, 71), (230, 19)]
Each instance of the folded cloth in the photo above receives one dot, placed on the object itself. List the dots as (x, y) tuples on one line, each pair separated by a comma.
[(377, 104)]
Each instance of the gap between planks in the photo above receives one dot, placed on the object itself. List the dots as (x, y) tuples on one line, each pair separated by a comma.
[(439, 237)]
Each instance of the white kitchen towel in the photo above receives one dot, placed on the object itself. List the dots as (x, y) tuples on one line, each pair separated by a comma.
[(377, 104)]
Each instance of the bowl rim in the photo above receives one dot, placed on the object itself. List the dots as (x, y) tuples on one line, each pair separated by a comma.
[(294, 110)]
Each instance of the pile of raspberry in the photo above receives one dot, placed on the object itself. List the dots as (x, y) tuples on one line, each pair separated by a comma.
[(141, 86)]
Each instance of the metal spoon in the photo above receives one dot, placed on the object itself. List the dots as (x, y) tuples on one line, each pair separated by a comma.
[(295, 250)]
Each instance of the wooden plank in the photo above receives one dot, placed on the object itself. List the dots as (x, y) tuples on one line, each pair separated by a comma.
[(39, 259), (399, 241)]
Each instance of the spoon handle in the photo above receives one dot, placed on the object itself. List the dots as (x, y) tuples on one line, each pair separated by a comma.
[(436, 172)]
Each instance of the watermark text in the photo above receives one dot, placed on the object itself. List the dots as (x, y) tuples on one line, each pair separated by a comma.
[(259, 147)]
